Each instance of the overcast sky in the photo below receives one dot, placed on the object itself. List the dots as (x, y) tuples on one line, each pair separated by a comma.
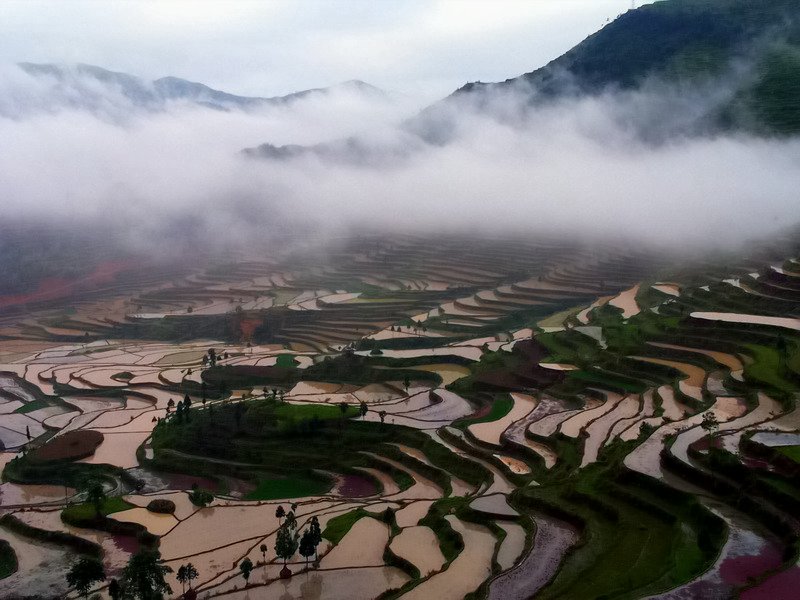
[(273, 47)]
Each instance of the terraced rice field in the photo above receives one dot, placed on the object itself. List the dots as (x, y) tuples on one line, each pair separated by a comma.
[(502, 419)]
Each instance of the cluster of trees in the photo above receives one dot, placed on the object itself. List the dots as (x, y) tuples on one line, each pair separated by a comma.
[(142, 578), (289, 540), (186, 574), (181, 409)]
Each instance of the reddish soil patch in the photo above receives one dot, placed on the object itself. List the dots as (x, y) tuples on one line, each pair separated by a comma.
[(755, 463), (53, 288), (704, 444), (248, 327), (782, 585), (526, 372), (480, 413), (73, 445), (356, 486), (736, 571)]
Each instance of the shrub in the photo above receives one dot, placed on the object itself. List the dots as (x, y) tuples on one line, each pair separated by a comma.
[(161, 506)]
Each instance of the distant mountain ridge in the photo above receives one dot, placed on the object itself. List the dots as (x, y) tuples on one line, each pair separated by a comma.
[(739, 61), (88, 86)]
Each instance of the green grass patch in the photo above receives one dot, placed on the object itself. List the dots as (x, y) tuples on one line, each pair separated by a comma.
[(288, 487), (792, 452), (286, 361), (766, 368), (32, 406), (501, 406), (8, 560), (450, 542), (85, 511), (557, 319), (338, 527)]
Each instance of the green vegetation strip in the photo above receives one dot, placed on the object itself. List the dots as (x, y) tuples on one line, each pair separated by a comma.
[(282, 447), (338, 527), (500, 407), (8, 560), (289, 487), (86, 511), (792, 452), (58, 538)]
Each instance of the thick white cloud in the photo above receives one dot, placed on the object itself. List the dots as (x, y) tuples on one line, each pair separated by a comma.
[(273, 47), (579, 166)]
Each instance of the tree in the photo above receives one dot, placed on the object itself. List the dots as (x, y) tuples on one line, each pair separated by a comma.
[(143, 577), (95, 495), (170, 404), (191, 574), (307, 545), (316, 533), (280, 513), (406, 383), (187, 402), (84, 574), (246, 567), (291, 520), (710, 422), (114, 590), (285, 544), (363, 409), (200, 497), (182, 578), (343, 407), (263, 548), (179, 412), (382, 415)]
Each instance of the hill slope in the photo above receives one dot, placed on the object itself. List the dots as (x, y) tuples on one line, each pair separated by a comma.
[(753, 46)]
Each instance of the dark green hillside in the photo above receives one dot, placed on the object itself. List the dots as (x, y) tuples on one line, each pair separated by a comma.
[(755, 43), (676, 38)]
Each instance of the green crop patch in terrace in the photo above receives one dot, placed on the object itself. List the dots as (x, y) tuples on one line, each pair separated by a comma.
[(86, 511), (766, 368), (792, 452), (500, 407), (338, 526), (296, 486), (634, 543), (32, 406), (280, 447), (286, 361)]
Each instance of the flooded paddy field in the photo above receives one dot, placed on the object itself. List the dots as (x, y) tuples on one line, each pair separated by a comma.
[(491, 421)]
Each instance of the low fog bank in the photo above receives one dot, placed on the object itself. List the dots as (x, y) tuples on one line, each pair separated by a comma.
[(621, 165)]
